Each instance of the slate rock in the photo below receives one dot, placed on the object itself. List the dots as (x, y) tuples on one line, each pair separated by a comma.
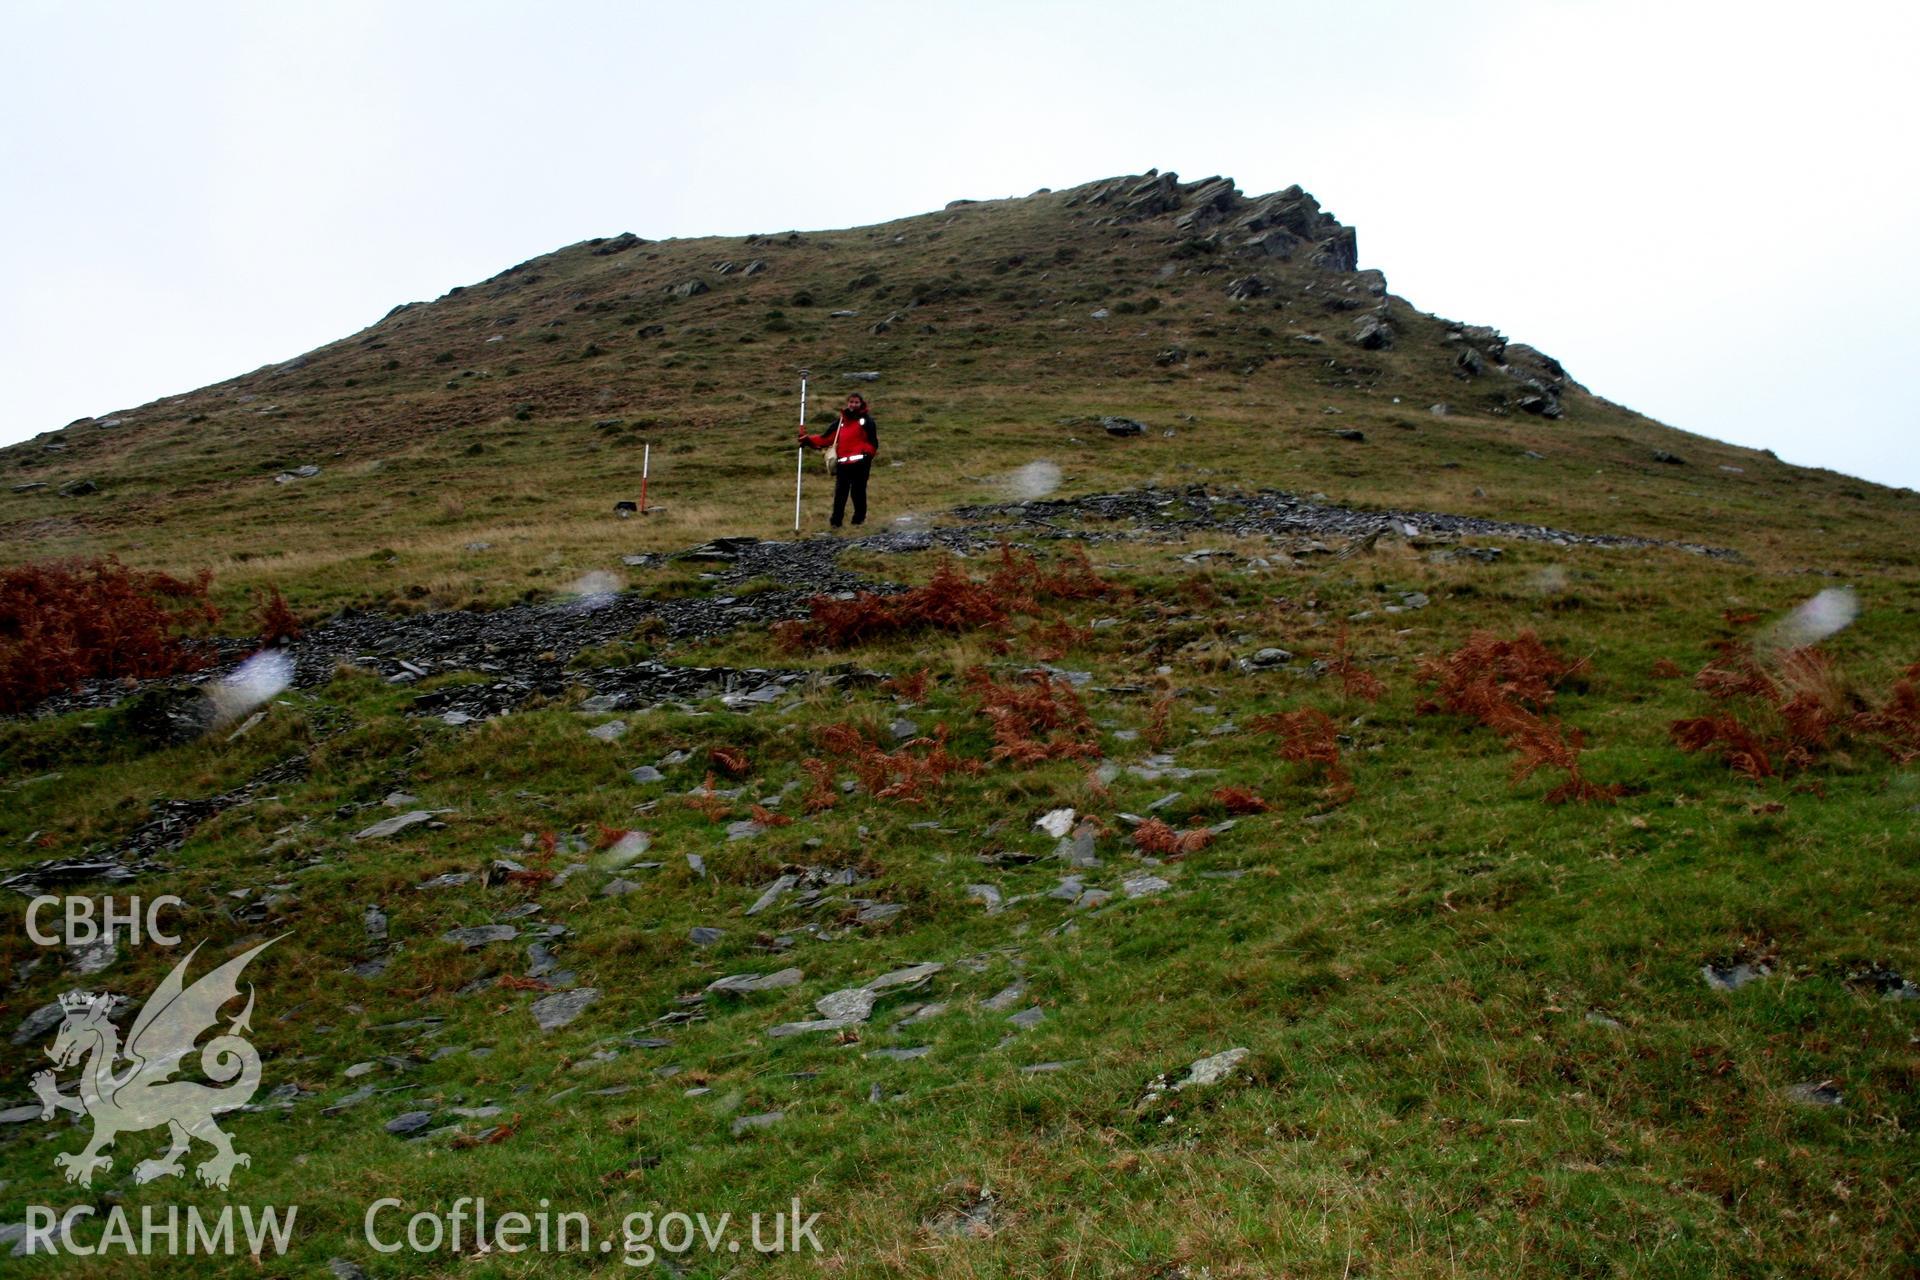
[(905, 979), (1817, 1093), (541, 962), (803, 1028), (409, 1122), (925, 1013), (399, 822), (853, 1004), (476, 936), (1078, 849), (1372, 333), (1142, 884), (1733, 977), (773, 893), (1056, 822), (557, 1010), (1213, 1069), (748, 983), (88, 958)]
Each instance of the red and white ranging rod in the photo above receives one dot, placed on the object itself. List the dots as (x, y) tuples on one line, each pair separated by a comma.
[(800, 453)]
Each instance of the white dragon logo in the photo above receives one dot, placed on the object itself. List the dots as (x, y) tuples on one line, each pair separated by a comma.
[(141, 1096)]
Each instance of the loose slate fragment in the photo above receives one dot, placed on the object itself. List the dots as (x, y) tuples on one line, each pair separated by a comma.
[(557, 1010), (747, 983), (399, 822), (1212, 1070), (854, 1004)]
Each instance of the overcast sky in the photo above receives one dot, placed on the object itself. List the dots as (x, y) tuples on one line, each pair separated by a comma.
[(1707, 212)]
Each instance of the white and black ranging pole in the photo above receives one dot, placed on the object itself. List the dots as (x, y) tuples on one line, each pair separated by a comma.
[(800, 453)]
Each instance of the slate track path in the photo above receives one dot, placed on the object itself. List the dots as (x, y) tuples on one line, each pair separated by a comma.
[(527, 647), (1273, 513)]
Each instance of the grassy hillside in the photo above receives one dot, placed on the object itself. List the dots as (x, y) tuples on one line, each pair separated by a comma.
[(512, 412), (1591, 958)]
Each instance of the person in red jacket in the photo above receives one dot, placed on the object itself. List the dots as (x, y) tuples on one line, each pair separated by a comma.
[(854, 440)]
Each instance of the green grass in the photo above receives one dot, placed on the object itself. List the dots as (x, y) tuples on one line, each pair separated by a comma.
[(1412, 970)]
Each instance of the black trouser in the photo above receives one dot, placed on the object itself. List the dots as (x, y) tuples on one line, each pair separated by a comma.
[(851, 478)]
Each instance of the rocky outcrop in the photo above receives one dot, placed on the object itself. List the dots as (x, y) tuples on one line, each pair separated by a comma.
[(1207, 205), (618, 244), (1288, 225), (1540, 380), (1338, 252), (1245, 287), (1373, 332), (1133, 198)]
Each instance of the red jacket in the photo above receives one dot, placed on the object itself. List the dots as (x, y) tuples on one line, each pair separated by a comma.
[(855, 437)]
